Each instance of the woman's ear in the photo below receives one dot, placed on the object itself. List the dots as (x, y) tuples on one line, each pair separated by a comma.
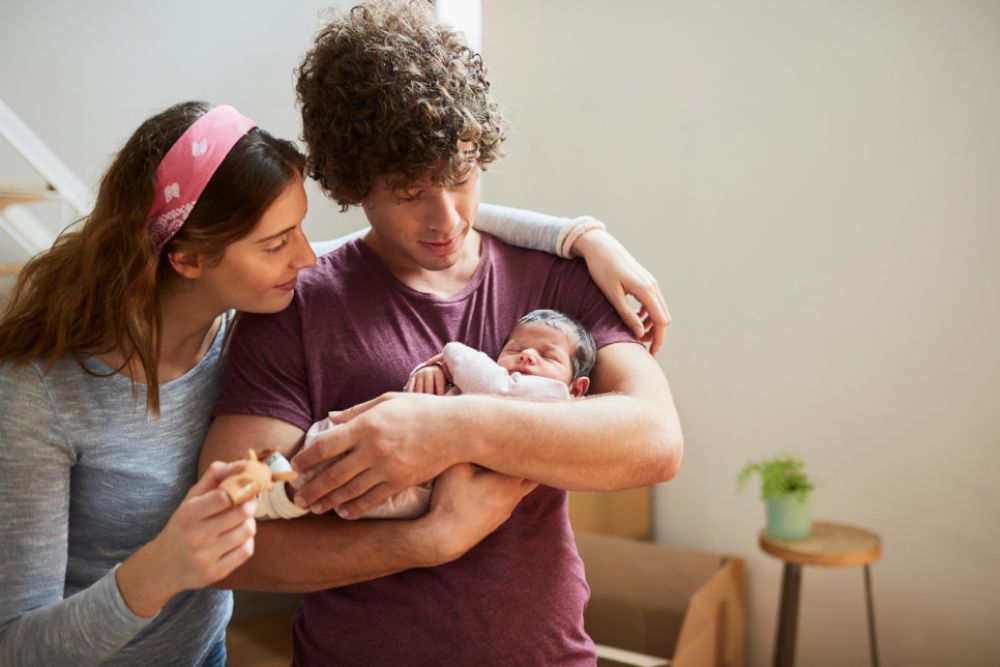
[(579, 387), (186, 264)]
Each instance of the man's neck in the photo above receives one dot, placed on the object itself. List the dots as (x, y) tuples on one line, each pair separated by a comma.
[(444, 282)]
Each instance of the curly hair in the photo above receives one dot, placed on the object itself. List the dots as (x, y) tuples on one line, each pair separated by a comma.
[(388, 91)]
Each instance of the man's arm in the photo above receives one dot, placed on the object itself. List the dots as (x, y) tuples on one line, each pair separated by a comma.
[(319, 552), (627, 436)]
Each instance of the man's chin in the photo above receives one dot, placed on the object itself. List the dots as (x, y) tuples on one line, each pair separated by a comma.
[(438, 263)]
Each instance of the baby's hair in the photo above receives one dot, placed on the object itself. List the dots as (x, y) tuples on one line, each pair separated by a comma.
[(586, 351)]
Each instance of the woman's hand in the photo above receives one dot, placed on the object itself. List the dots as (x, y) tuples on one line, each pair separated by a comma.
[(617, 273), (204, 540)]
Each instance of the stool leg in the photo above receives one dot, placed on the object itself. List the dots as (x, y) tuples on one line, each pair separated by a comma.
[(788, 616), (871, 617)]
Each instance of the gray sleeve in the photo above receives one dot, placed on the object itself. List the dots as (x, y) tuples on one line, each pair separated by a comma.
[(525, 229), (516, 226), (37, 625)]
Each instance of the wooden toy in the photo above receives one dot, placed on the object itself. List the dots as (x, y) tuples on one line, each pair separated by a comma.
[(253, 478)]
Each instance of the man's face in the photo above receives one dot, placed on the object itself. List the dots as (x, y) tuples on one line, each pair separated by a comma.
[(426, 226)]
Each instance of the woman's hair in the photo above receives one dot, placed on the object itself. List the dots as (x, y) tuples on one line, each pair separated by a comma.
[(388, 91), (98, 288), (585, 354)]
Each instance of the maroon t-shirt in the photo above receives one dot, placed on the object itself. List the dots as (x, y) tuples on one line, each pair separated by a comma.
[(354, 331)]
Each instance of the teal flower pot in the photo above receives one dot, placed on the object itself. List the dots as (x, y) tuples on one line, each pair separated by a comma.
[(789, 518)]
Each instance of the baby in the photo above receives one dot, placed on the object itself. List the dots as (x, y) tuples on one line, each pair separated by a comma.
[(547, 356)]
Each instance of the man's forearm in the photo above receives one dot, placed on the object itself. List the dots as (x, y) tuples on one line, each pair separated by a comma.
[(318, 552), (628, 434), (604, 443)]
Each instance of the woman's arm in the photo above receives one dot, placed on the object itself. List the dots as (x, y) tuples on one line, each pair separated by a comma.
[(615, 271), (202, 542), (524, 229), (37, 625)]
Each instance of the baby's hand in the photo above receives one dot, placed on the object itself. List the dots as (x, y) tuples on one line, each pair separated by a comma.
[(428, 380)]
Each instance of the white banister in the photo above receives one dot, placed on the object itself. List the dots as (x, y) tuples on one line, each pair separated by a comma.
[(61, 184)]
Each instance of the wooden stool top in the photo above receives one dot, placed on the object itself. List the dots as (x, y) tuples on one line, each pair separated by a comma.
[(830, 545)]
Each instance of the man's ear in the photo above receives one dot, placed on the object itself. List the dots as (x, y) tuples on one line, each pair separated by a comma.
[(579, 387), (187, 264)]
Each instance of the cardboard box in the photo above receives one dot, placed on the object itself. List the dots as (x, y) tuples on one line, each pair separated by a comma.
[(687, 607), (623, 513)]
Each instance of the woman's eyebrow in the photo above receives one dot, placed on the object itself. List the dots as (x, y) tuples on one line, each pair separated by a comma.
[(276, 235)]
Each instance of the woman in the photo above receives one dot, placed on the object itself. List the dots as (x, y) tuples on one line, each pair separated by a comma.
[(111, 353)]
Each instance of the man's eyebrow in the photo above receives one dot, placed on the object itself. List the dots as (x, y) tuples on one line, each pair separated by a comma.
[(274, 236)]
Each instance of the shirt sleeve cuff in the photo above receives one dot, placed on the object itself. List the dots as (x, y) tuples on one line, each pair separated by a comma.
[(121, 616)]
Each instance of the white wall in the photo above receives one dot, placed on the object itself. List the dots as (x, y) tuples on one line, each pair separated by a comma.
[(84, 73), (817, 186)]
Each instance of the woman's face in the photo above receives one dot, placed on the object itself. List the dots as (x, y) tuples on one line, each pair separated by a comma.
[(257, 273)]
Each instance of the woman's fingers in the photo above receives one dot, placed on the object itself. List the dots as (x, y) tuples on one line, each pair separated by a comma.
[(212, 477), (226, 521), (231, 560), (619, 300), (235, 536), (200, 507)]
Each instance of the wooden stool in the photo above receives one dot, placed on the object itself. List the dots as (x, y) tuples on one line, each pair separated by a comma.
[(830, 545)]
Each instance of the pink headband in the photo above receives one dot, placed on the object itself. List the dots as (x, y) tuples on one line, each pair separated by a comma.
[(187, 167)]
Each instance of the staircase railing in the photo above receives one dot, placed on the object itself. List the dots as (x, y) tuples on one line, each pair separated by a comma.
[(59, 184)]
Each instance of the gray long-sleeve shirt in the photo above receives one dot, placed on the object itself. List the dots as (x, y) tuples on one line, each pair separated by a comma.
[(87, 477)]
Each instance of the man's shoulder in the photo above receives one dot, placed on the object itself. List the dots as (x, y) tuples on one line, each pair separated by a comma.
[(527, 260), (524, 265), (344, 273), (336, 265)]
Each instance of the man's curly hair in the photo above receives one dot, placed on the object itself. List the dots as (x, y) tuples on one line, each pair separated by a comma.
[(387, 90)]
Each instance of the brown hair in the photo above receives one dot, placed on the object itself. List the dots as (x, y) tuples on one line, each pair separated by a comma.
[(387, 90), (97, 289), (585, 354)]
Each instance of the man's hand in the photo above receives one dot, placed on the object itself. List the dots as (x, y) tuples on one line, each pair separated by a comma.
[(469, 503), (389, 443)]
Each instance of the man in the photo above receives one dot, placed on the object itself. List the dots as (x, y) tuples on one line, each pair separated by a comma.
[(398, 118)]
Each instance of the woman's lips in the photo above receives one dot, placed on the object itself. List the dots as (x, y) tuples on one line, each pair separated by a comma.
[(289, 286)]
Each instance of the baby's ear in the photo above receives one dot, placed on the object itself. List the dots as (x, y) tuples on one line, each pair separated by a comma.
[(579, 387)]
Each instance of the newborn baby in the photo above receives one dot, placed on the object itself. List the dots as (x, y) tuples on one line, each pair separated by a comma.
[(547, 356)]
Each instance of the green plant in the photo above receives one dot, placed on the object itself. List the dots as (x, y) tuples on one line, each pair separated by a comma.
[(780, 477)]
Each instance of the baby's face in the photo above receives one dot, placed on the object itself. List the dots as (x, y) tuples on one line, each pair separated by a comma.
[(538, 349)]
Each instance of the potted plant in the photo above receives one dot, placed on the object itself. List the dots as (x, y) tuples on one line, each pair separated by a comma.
[(787, 490)]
